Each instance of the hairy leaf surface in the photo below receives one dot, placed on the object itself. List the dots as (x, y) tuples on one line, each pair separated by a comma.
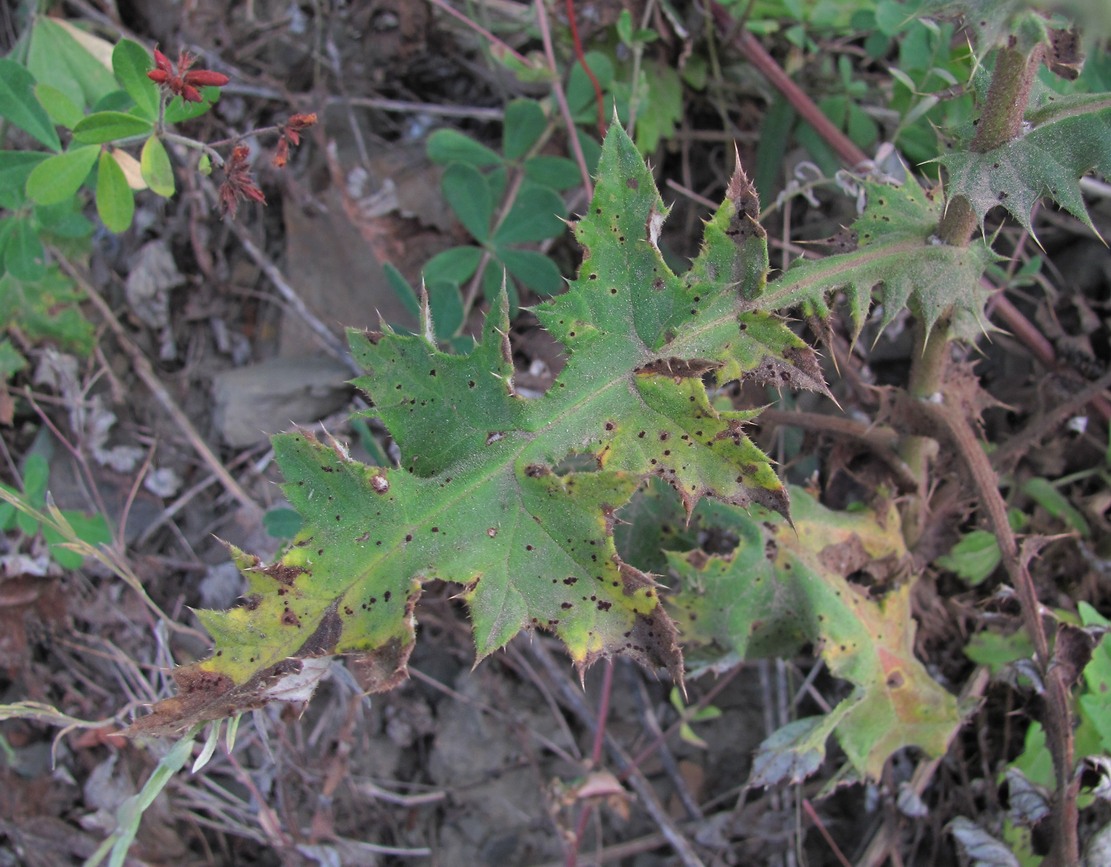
[(899, 252), (512, 498), (1068, 137), (782, 587)]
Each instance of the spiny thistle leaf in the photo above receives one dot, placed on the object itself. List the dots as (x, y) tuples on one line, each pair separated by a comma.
[(899, 252), (1070, 136), (783, 587), (992, 23), (511, 498)]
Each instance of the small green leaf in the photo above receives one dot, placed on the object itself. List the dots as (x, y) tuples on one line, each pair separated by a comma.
[(117, 100), (559, 173), (447, 309), (705, 714), (156, 167), (891, 17), (60, 55), (106, 126), (179, 111), (24, 257), (59, 177), (687, 735), (580, 90), (792, 752), (36, 475), (16, 166), (8, 510), (662, 110), (468, 194), (974, 557), (446, 146), (46, 310), (536, 215), (524, 124), (625, 27), (996, 650), (18, 104), (64, 219), (89, 528), (534, 270), (405, 293), (62, 110), (11, 362), (456, 265), (115, 203), (1054, 502), (282, 523), (130, 63)]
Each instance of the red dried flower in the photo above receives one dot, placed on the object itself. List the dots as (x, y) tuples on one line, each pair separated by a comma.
[(238, 183), (185, 81), (291, 135), (294, 126), (281, 153)]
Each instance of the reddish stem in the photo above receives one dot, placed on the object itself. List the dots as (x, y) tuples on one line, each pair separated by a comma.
[(598, 98), (595, 759), (757, 55)]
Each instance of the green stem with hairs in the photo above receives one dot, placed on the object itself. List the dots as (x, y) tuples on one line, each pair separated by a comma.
[(999, 123)]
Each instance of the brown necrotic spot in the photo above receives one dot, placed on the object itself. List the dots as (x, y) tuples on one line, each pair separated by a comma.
[(283, 574), (290, 619)]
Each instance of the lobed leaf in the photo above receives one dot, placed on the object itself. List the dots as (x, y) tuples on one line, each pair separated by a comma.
[(515, 499), (899, 252), (1072, 137), (785, 586)]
